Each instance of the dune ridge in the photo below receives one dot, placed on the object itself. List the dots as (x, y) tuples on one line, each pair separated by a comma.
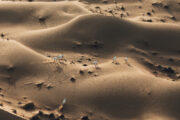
[(83, 60)]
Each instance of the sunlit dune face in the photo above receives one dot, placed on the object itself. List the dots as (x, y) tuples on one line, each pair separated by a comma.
[(89, 60)]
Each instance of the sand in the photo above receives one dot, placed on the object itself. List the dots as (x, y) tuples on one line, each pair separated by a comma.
[(90, 60)]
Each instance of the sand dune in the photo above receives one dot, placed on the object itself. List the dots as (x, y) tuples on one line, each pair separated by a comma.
[(7, 116), (90, 60), (107, 28), (23, 16)]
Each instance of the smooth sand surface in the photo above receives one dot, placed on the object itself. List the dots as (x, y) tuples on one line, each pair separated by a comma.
[(90, 60)]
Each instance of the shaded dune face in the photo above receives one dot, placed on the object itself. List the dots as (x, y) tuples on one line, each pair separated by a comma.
[(7, 116), (170, 104), (112, 96), (130, 104), (36, 16), (102, 34), (115, 99), (139, 83), (95, 37)]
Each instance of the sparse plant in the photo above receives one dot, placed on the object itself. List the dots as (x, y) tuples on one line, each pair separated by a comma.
[(95, 63), (114, 59), (64, 101), (126, 59), (59, 57), (61, 107), (55, 58)]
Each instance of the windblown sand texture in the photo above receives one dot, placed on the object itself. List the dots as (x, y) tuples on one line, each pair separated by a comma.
[(90, 60)]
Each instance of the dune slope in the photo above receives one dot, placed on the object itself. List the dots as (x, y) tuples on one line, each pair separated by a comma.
[(84, 60)]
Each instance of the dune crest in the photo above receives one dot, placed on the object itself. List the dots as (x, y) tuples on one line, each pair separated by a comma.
[(89, 60)]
